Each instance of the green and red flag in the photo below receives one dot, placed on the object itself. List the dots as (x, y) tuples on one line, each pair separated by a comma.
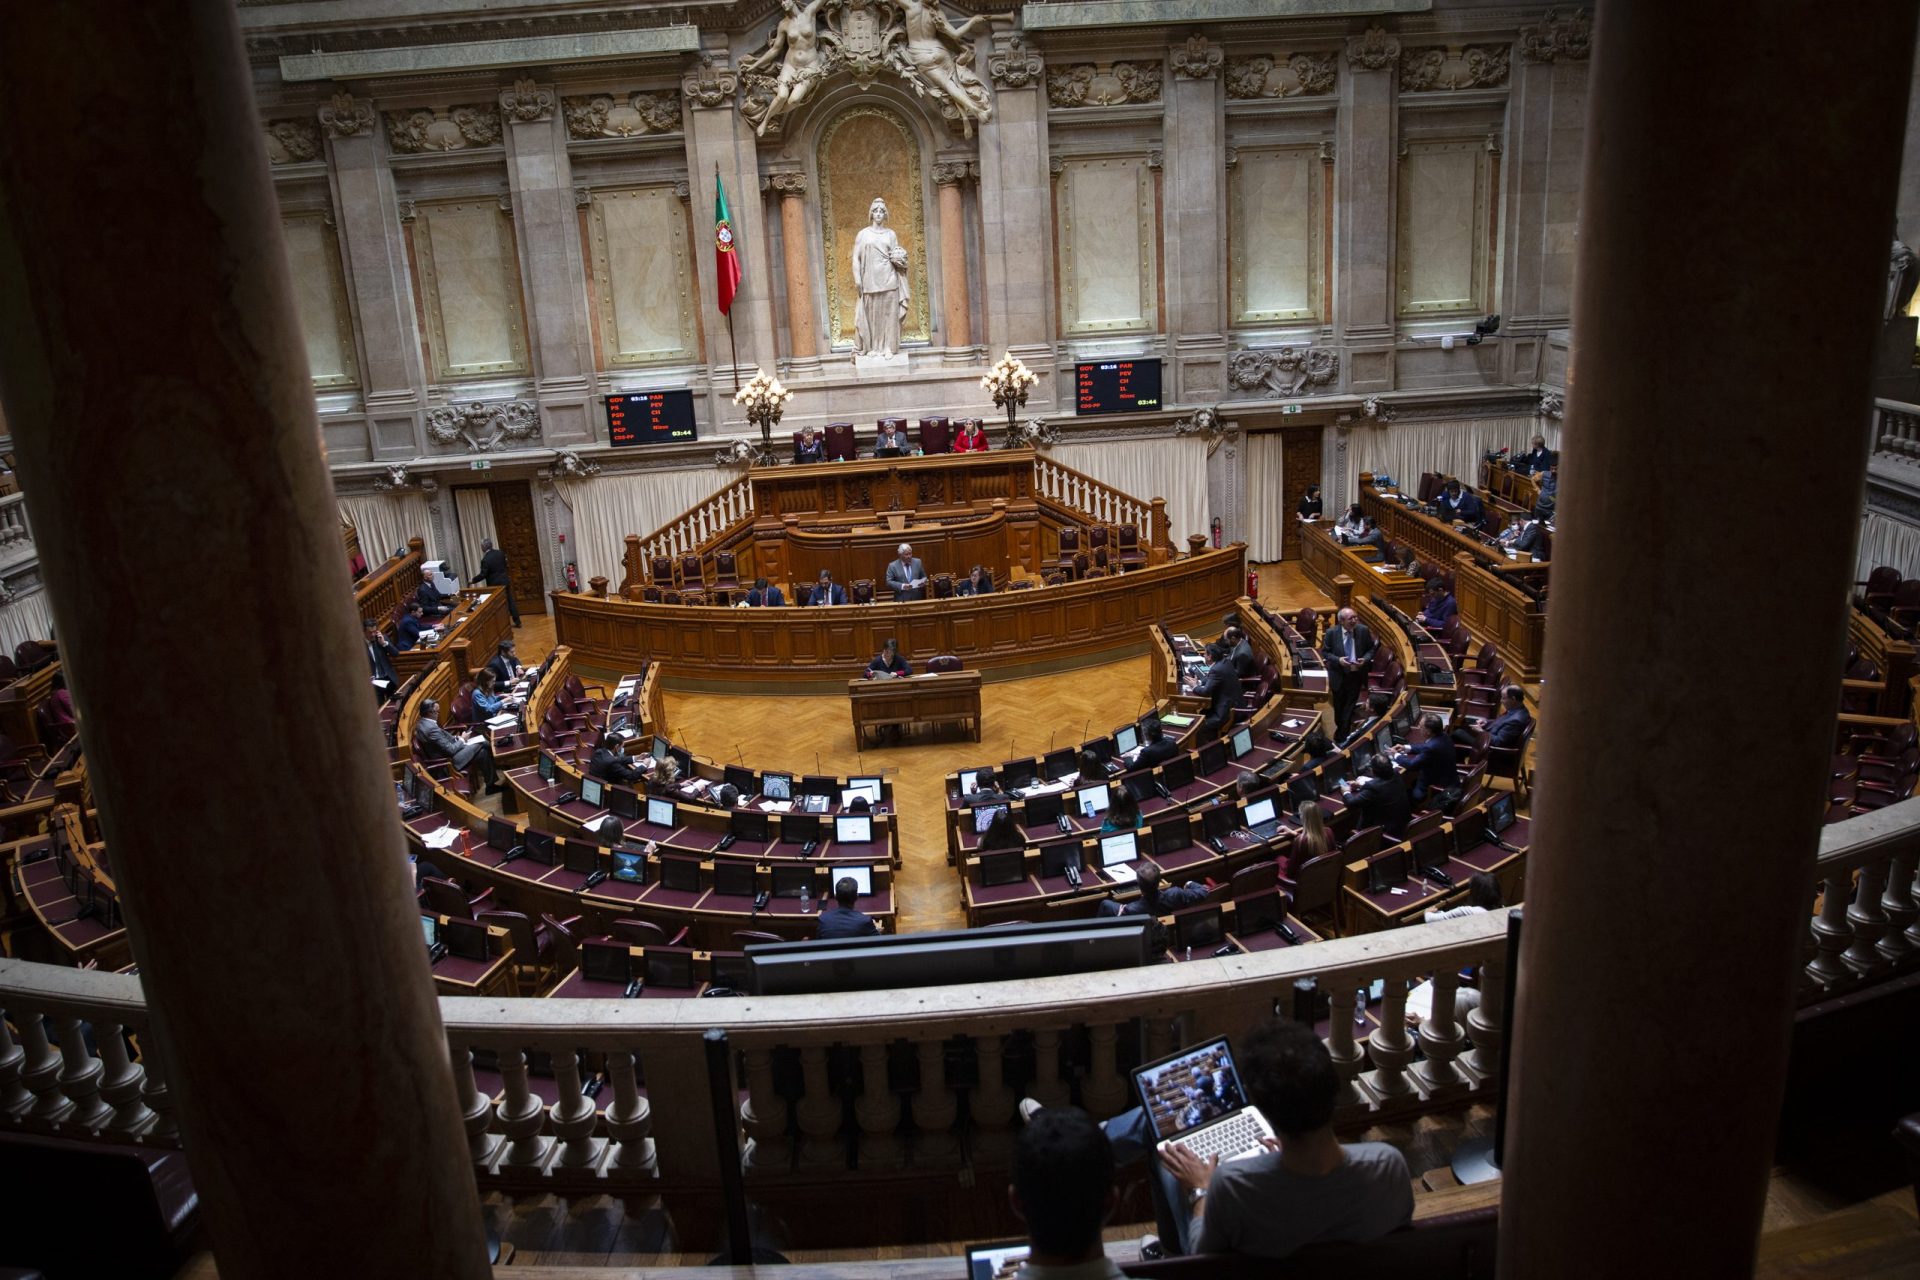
[(726, 256)]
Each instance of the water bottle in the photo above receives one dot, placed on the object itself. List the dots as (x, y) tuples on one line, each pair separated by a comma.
[(806, 899), (1360, 1008)]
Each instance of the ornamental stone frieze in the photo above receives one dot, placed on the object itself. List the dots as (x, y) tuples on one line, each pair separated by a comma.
[(1374, 50), (1474, 66), (1103, 84), (1553, 405), (526, 102), (709, 86), (292, 141), (482, 425), (1288, 371), (1016, 66), (1558, 37), (346, 116), (634, 116), (1271, 76), (1197, 59), (427, 130)]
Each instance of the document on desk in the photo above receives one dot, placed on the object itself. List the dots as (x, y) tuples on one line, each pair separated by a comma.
[(441, 839), (505, 720)]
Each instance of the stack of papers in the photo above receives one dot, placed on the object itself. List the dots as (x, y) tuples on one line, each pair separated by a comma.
[(505, 720), (441, 839)]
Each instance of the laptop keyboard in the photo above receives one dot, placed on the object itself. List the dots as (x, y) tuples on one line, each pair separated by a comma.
[(1230, 1137)]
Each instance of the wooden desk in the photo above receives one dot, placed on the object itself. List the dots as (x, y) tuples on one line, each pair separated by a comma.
[(468, 636), (1325, 559), (457, 976), (949, 697), (1494, 606), (1515, 491), (1366, 912), (1435, 541)]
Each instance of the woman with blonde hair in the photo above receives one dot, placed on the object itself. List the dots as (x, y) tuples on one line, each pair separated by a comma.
[(1312, 840)]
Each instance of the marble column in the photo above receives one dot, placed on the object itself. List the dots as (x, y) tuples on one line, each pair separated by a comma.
[(1016, 211), (1716, 204), (290, 998), (1540, 205), (803, 333), (547, 231), (1365, 172), (1195, 203), (718, 136), (373, 249), (956, 313)]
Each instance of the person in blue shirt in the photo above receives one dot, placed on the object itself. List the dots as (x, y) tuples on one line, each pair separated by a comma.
[(1509, 728), (488, 702), (1431, 762), (1440, 606), (828, 591)]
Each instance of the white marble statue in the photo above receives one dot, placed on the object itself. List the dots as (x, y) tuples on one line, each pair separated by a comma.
[(797, 38), (880, 274), (939, 59)]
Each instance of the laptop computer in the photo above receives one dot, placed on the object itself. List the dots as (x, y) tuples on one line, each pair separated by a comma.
[(1195, 1098), (997, 1261), (1262, 818)]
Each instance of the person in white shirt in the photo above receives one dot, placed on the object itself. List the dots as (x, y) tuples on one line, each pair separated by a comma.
[(1063, 1191)]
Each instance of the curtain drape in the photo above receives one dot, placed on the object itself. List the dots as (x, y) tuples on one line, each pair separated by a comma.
[(473, 505), (1174, 468), (28, 618), (1404, 450), (385, 521), (1267, 512), (608, 508), (1885, 540)]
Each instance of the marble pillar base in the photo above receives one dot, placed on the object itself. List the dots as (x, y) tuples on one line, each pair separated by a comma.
[(880, 366)]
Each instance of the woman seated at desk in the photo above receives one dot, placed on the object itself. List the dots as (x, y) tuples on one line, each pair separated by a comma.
[(809, 447), (888, 661), (488, 702), (972, 438)]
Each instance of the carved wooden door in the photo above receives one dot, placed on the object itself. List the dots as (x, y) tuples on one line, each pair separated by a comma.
[(519, 537), (1300, 467)]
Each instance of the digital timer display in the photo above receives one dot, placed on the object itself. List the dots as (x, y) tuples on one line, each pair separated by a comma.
[(650, 417), (1116, 386)]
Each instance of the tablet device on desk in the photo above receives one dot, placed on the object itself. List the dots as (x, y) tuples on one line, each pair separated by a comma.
[(862, 878), (853, 828), (984, 815), (591, 790), (866, 788), (466, 939), (777, 786), (1127, 741), (659, 812), (546, 767), (1092, 801), (1242, 741), (969, 781), (629, 867), (1117, 849)]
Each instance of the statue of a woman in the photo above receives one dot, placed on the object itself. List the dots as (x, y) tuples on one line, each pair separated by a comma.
[(880, 274)]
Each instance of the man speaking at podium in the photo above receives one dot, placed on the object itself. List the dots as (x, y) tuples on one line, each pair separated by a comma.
[(906, 576)]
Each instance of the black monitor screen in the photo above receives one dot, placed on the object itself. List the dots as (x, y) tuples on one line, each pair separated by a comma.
[(669, 968), (650, 417), (1177, 772), (629, 867), (623, 802), (777, 786), (502, 834), (465, 939), (680, 874), (546, 767), (1257, 914), (580, 857), (1044, 808), (1218, 821), (1213, 757), (1198, 927), (539, 847), (1056, 858), (1058, 764), (1017, 773), (1116, 386), (734, 879), (1006, 866), (788, 881), (605, 961), (796, 828), (748, 824), (743, 780), (1172, 835)]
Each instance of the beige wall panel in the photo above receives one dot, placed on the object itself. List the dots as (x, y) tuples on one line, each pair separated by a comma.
[(1276, 240), (643, 276), (1443, 212), (470, 276), (1106, 238), (313, 259)]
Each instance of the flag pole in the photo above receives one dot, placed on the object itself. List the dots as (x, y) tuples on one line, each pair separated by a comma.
[(733, 348)]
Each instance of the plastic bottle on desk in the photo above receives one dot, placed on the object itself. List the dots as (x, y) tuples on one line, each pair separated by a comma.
[(806, 900)]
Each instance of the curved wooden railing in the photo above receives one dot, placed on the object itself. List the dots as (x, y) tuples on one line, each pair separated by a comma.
[(715, 520), (382, 590), (1064, 486)]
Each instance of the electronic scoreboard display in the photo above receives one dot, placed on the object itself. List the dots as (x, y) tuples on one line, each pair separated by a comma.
[(650, 417), (1116, 386)]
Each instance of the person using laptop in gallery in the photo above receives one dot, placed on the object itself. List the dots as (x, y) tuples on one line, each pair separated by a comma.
[(610, 765), (888, 661), (977, 583), (1123, 813), (493, 572), (1307, 1186), (1431, 763), (380, 659), (504, 665), (1382, 800), (1063, 1191), (1311, 505), (1001, 833), (826, 591), (906, 576), (763, 594), (1440, 605), (1158, 747), (475, 759), (1458, 504), (1348, 650), (809, 447), (843, 919), (407, 633), (432, 603)]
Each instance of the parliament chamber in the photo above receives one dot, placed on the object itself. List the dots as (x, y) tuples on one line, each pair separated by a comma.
[(905, 565)]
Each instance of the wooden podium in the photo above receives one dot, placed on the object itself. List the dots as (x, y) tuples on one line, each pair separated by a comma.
[(949, 697)]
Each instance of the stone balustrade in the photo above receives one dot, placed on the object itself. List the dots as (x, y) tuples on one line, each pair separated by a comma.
[(1896, 431), (16, 532)]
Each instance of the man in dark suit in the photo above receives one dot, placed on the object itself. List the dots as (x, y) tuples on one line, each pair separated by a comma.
[(826, 591), (1382, 800), (1536, 459), (1431, 762), (493, 572), (474, 758), (1509, 728), (1348, 650), (843, 919), (1525, 535), (1240, 649), (977, 583), (1221, 687), (431, 602), (906, 576), (407, 633), (380, 658), (609, 765), (1440, 606), (503, 664), (1157, 749), (764, 595), (1459, 504)]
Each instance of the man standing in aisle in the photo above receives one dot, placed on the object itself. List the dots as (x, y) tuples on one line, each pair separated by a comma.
[(493, 572), (1348, 649)]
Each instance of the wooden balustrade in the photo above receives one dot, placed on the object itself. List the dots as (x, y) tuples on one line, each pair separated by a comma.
[(1892, 693), (390, 585), (714, 521), (1495, 607)]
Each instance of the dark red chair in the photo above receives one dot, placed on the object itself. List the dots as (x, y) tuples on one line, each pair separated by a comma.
[(1132, 555), (662, 568), (840, 442), (645, 933), (936, 435), (445, 898), (944, 662), (863, 590), (533, 944), (725, 573), (942, 586)]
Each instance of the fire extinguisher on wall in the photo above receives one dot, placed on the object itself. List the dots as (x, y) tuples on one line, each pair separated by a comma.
[(1216, 533), (1253, 584)]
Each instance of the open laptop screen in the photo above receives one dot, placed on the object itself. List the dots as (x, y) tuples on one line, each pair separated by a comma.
[(1189, 1089), (1117, 848)]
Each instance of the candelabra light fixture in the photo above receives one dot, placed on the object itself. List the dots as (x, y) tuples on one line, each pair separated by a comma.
[(1008, 383), (764, 400)]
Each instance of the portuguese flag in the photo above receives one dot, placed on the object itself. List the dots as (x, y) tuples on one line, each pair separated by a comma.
[(725, 256)]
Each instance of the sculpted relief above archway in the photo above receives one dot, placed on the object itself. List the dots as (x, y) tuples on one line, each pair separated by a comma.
[(909, 39)]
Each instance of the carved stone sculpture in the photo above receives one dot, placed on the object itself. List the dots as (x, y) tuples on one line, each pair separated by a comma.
[(1477, 66), (483, 425), (569, 465), (1901, 279), (1552, 405), (346, 116), (526, 102), (1374, 50), (1016, 67), (641, 114), (1301, 75), (1289, 371), (443, 129), (795, 47), (939, 61), (292, 141), (710, 86), (1198, 59), (1556, 37), (1087, 84), (880, 275)]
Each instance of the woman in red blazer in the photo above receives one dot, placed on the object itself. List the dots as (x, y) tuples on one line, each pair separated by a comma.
[(972, 439)]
